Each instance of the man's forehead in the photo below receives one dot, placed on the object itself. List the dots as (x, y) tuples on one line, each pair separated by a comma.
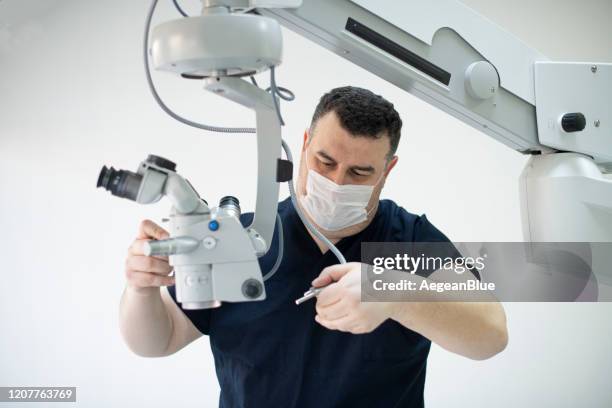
[(354, 150)]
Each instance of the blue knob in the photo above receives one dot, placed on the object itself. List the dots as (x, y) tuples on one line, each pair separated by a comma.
[(213, 225)]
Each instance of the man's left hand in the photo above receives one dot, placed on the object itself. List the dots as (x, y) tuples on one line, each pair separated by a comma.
[(339, 305)]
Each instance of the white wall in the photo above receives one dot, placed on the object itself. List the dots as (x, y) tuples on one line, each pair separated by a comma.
[(73, 97)]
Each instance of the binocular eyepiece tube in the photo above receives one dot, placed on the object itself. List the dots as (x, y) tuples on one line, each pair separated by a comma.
[(125, 183), (121, 183)]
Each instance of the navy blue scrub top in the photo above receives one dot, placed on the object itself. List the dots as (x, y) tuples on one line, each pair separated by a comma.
[(273, 353)]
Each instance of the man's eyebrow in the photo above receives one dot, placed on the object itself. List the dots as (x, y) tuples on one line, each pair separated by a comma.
[(363, 168), (326, 156)]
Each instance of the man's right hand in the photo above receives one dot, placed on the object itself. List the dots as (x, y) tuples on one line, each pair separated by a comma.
[(151, 322), (146, 274)]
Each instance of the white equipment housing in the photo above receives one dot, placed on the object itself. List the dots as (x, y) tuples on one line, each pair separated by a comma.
[(443, 52)]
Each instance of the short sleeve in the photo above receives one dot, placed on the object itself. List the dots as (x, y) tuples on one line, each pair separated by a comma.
[(200, 318), (425, 231)]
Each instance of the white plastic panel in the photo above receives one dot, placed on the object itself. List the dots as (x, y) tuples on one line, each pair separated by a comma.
[(568, 87), (512, 58), (565, 198)]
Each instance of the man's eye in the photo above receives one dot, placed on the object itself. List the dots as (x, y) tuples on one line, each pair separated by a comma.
[(327, 164), (359, 174)]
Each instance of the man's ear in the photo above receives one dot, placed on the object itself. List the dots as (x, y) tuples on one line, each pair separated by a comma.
[(305, 140), (391, 164)]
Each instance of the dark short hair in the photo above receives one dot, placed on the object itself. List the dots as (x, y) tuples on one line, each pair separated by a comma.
[(361, 113)]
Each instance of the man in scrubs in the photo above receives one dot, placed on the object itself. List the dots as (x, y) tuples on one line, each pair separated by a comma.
[(334, 350)]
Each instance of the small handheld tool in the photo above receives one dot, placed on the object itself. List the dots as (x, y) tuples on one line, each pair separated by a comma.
[(309, 294)]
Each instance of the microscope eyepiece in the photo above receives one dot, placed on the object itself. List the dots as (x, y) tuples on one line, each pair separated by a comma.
[(229, 200), (230, 205), (121, 183)]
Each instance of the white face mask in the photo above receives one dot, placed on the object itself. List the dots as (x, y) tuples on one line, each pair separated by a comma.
[(333, 206)]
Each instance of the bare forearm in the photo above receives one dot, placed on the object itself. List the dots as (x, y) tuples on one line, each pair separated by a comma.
[(475, 330), (472, 324), (144, 322)]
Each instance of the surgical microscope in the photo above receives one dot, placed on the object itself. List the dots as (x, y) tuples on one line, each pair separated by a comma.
[(441, 51)]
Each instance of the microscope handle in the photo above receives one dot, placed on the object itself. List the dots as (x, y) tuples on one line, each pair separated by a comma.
[(170, 246)]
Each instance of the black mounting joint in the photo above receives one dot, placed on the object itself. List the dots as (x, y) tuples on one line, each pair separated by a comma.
[(284, 170)]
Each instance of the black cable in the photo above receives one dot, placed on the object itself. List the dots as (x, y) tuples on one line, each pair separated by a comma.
[(180, 10)]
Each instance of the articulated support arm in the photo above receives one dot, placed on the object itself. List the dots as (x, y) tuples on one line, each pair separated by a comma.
[(268, 149)]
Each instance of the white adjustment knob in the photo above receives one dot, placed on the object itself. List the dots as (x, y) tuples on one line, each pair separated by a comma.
[(481, 80), (190, 280), (209, 242)]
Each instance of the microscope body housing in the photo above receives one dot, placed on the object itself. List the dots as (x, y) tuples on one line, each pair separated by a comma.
[(223, 266)]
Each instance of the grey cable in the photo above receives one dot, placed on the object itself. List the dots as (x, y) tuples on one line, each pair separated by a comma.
[(282, 93), (278, 91), (157, 97), (306, 222), (281, 239), (281, 246)]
